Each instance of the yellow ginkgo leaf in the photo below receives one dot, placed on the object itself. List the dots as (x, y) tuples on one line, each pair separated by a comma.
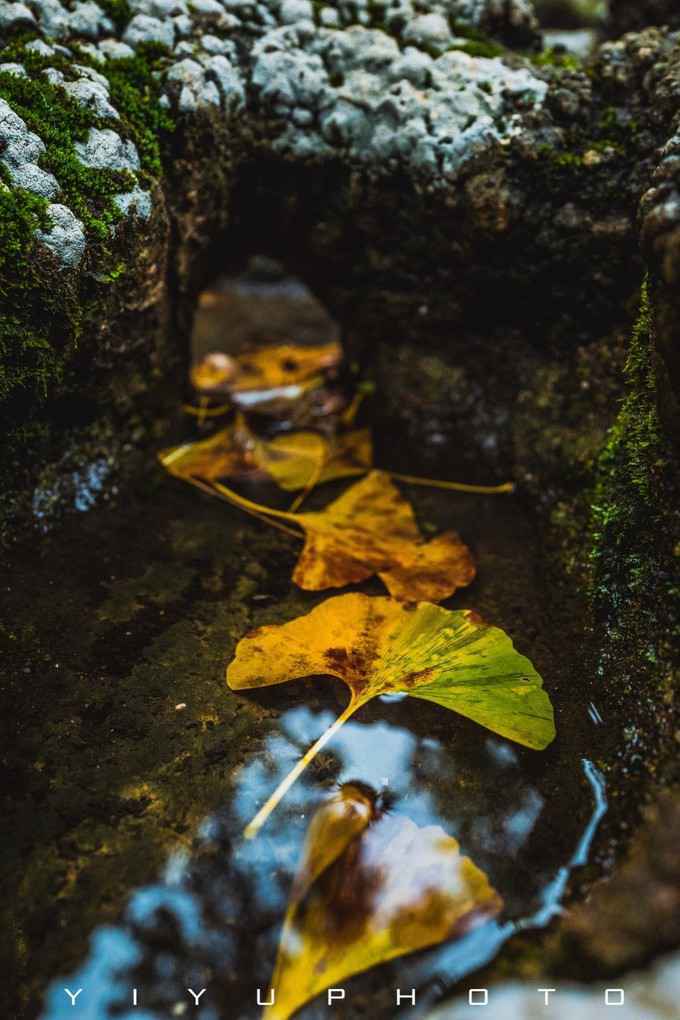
[(392, 889), (294, 460), (265, 368), (297, 459), (371, 529), (380, 646), (228, 453)]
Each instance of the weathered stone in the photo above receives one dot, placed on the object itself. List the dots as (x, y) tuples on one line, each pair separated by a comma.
[(13, 15), (89, 20), (113, 49), (610, 927), (93, 95), (17, 69), (137, 201), (40, 47), (105, 148), (66, 238), (145, 29), (20, 152)]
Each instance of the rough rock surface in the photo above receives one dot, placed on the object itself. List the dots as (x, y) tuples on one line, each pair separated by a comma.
[(422, 178), (415, 96), (521, 172), (610, 927)]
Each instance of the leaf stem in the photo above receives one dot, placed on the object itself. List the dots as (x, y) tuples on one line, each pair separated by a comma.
[(311, 483), (435, 483), (203, 411), (252, 829), (248, 504), (212, 490)]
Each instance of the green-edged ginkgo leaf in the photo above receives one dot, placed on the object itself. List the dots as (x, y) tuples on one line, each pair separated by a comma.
[(379, 646), (387, 888)]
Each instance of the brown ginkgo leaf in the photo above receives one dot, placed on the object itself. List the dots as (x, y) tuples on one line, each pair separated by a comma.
[(387, 888), (371, 529), (380, 646), (335, 823)]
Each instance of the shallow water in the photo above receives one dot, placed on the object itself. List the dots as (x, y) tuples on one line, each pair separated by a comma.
[(213, 920), (143, 755)]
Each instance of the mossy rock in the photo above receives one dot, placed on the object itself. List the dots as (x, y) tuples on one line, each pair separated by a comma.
[(448, 197), (146, 146)]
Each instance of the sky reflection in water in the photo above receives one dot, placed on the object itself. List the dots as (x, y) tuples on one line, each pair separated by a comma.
[(214, 917)]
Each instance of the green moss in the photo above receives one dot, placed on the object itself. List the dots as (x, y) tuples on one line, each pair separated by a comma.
[(560, 158), (635, 518), (39, 363), (481, 48), (119, 11), (557, 58), (39, 337), (627, 484), (21, 214), (135, 93), (616, 126), (476, 43)]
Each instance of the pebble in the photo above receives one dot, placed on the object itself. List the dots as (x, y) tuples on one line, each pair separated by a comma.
[(67, 236)]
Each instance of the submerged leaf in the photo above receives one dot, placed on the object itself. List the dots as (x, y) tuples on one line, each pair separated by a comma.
[(293, 459), (212, 373), (265, 368), (226, 454), (296, 459), (344, 815), (391, 889), (379, 646), (371, 529)]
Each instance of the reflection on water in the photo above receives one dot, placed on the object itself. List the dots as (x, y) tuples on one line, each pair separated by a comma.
[(214, 919)]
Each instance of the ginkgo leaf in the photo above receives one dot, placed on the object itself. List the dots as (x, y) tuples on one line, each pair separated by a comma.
[(337, 821), (394, 888), (265, 368), (213, 371), (226, 454), (295, 460), (379, 646), (371, 529)]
